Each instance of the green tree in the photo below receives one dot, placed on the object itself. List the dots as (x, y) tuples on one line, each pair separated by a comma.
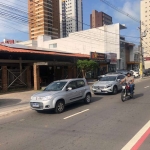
[(86, 65)]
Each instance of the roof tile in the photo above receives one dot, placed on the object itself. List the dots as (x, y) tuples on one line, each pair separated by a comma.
[(4, 48)]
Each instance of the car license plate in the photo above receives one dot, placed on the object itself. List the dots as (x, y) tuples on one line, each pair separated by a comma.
[(35, 105), (99, 90)]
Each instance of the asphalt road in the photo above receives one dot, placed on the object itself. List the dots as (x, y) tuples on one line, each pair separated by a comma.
[(105, 124)]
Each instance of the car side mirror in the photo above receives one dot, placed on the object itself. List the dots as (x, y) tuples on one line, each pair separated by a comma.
[(69, 89)]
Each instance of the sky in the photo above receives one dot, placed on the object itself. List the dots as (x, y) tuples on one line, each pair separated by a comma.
[(132, 7)]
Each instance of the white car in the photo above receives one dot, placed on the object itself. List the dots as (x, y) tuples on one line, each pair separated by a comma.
[(110, 83), (135, 73), (61, 93)]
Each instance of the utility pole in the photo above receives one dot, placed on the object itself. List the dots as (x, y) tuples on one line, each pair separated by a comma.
[(141, 53)]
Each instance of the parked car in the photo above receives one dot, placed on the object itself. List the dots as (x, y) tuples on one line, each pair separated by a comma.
[(108, 84), (109, 73), (61, 93), (99, 77), (124, 72), (146, 72), (135, 73)]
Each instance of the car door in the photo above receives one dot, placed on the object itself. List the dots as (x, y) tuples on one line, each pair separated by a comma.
[(71, 95), (80, 89)]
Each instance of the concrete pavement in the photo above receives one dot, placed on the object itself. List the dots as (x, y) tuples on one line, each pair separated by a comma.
[(107, 124)]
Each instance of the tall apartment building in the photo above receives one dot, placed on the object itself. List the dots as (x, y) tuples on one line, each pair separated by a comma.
[(99, 19), (145, 26), (71, 16), (44, 18)]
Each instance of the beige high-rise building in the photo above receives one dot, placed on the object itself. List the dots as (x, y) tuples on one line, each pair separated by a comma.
[(145, 27), (44, 18)]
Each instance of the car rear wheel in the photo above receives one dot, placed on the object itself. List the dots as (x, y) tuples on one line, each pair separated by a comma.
[(60, 106), (87, 99), (115, 90)]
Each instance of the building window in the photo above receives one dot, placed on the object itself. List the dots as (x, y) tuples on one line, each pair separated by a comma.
[(53, 45)]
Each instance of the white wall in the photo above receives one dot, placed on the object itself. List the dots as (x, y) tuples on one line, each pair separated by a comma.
[(28, 43), (89, 41)]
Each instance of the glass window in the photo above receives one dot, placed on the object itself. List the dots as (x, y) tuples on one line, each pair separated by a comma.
[(53, 45), (121, 77), (80, 83), (55, 86), (72, 85), (108, 78)]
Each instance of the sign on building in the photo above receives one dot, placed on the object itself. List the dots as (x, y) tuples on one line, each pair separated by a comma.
[(112, 57), (98, 57)]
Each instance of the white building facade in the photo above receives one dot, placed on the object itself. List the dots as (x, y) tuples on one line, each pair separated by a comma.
[(104, 39), (145, 25), (71, 16)]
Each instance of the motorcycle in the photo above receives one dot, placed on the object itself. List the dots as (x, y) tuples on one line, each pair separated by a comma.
[(126, 94)]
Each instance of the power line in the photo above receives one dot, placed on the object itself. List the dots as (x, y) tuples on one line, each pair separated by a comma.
[(24, 21), (121, 11), (80, 21), (15, 28)]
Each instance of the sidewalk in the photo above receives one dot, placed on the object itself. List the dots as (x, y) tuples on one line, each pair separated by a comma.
[(13, 102), (19, 101)]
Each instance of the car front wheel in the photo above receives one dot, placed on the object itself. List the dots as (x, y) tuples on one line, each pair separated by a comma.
[(115, 90), (60, 106), (87, 99)]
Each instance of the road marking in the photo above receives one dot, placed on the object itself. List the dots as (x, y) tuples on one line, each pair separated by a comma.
[(22, 120), (138, 139), (76, 114), (146, 87)]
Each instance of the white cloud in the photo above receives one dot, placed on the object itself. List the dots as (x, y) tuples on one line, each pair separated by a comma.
[(131, 7)]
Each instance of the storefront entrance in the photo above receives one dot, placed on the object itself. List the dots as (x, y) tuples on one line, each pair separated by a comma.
[(49, 74)]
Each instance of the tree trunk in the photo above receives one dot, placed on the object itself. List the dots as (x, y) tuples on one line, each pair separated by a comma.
[(83, 73)]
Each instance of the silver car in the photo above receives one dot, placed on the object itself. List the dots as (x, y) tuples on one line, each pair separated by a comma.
[(61, 93), (110, 83)]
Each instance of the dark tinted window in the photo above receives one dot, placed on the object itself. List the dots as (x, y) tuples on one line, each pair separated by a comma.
[(108, 78), (55, 86), (80, 83), (121, 77), (72, 85)]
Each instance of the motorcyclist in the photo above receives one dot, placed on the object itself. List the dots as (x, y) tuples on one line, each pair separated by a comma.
[(129, 79)]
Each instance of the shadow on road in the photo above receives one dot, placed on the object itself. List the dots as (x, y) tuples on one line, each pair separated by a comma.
[(72, 106), (105, 94), (138, 95), (9, 102), (135, 96)]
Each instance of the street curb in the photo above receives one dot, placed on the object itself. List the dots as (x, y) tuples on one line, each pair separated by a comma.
[(14, 110)]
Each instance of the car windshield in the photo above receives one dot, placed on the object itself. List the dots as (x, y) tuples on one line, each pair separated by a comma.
[(108, 78), (55, 86)]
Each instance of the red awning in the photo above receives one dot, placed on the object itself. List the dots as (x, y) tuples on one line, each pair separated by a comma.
[(8, 49)]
